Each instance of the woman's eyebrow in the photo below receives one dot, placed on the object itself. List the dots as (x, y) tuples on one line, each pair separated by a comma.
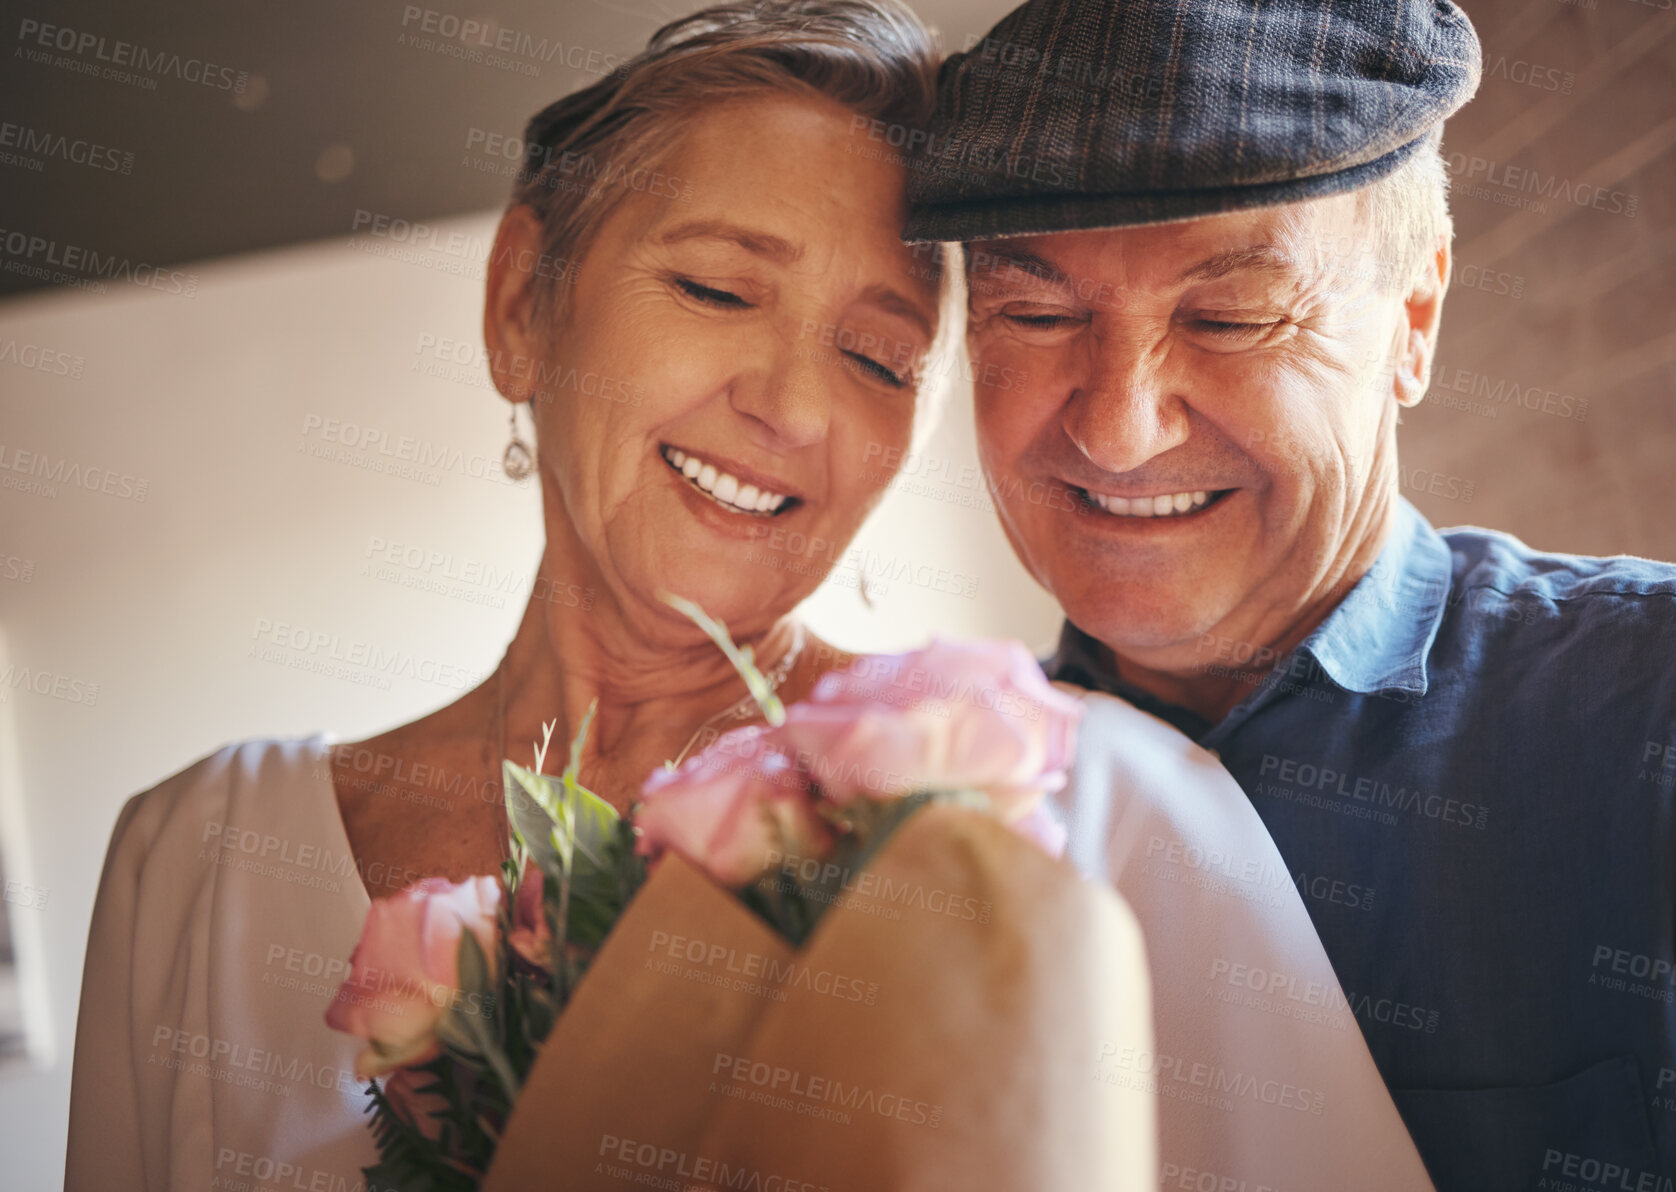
[(897, 303), (763, 244)]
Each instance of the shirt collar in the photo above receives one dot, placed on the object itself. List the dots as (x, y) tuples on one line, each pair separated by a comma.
[(1376, 639)]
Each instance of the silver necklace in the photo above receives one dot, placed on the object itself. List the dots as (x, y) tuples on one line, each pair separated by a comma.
[(747, 707), (744, 709)]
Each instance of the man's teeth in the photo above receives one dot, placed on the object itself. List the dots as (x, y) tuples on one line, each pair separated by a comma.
[(1163, 505), (724, 487)]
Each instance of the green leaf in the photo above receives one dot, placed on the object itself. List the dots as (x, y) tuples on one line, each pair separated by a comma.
[(473, 965), (743, 660), (532, 809)]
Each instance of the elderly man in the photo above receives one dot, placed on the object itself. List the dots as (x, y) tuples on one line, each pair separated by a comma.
[(1207, 248)]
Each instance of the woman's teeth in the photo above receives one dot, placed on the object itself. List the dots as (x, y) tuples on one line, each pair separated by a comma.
[(724, 487), (1163, 505)]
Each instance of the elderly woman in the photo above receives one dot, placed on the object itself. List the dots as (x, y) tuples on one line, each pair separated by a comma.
[(710, 228)]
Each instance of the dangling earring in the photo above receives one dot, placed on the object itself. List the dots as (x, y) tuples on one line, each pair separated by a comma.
[(517, 461)]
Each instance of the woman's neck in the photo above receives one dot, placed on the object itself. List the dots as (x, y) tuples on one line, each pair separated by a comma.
[(656, 680)]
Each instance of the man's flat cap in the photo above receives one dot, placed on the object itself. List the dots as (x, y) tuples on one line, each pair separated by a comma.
[(1103, 113)]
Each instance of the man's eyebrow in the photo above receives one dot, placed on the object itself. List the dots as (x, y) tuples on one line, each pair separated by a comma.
[(896, 303), (763, 244), (1261, 258), (1006, 257)]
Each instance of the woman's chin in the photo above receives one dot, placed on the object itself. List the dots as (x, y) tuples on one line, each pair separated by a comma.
[(740, 585)]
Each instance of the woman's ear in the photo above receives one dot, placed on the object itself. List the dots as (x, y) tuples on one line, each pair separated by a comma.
[(1423, 309), (509, 322)]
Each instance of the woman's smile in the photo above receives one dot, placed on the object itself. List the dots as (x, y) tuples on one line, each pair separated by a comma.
[(732, 486)]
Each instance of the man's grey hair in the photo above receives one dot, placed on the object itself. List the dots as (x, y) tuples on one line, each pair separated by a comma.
[(1407, 213)]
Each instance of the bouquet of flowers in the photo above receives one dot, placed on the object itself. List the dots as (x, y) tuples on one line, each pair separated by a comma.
[(794, 955)]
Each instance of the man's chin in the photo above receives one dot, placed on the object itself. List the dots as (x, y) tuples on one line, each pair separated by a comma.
[(1142, 627)]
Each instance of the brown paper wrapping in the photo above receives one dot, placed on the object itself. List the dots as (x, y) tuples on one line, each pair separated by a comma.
[(942, 1029)]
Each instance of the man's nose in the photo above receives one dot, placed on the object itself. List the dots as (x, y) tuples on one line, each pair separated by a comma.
[(1126, 411)]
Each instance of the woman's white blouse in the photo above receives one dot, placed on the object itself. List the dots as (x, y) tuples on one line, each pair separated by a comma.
[(230, 903), (226, 913)]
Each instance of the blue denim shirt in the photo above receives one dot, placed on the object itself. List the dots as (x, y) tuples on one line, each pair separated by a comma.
[(1470, 769)]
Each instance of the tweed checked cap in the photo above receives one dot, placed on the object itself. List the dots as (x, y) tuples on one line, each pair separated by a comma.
[(1103, 113)]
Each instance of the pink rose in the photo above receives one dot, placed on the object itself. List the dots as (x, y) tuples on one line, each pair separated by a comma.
[(403, 972), (955, 715), (731, 810), (530, 937)]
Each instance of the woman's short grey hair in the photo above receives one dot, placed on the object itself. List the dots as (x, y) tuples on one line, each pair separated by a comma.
[(586, 152)]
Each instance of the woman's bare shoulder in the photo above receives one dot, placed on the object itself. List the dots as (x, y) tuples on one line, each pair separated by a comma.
[(421, 799)]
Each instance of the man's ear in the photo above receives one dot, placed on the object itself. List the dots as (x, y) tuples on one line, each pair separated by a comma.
[(509, 323), (1423, 311)]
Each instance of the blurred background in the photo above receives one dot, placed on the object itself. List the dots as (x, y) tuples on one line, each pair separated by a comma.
[(241, 371)]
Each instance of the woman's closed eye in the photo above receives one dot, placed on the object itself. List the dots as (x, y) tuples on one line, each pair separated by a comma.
[(710, 295), (876, 370)]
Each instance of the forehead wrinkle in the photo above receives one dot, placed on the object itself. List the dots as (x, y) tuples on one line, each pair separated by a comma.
[(759, 243), (1265, 259)]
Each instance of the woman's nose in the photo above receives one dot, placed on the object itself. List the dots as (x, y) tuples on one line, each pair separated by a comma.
[(790, 400)]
